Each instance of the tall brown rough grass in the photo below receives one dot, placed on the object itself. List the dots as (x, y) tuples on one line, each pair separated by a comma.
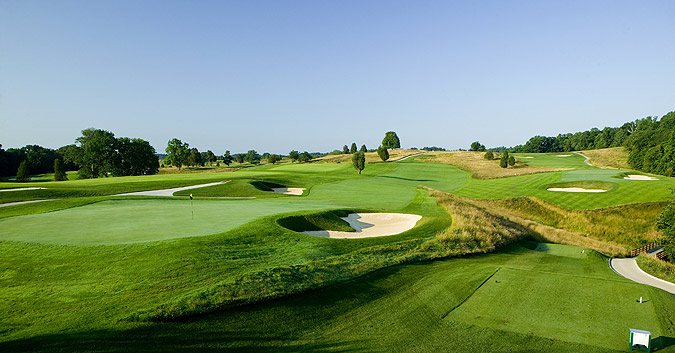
[(615, 157), (480, 168)]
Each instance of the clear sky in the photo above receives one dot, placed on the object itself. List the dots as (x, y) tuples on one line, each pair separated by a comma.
[(315, 75)]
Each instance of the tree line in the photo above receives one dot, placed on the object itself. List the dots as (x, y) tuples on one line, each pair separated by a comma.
[(650, 143)]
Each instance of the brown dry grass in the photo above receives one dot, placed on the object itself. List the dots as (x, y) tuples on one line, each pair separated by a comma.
[(612, 230), (474, 229), (481, 168), (371, 157), (615, 157)]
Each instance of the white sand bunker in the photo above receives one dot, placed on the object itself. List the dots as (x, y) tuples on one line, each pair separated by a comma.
[(575, 190), (289, 191), (369, 225), (563, 155), (524, 157), (639, 177), (21, 189)]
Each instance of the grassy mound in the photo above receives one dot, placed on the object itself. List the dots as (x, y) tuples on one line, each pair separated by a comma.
[(615, 157), (328, 220), (657, 268)]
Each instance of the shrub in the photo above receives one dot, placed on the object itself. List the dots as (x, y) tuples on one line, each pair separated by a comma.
[(59, 173), (23, 174), (383, 153), (489, 155)]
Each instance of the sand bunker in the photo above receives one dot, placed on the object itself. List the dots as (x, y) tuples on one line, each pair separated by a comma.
[(21, 189), (563, 155), (169, 192), (575, 190), (369, 225), (289, 191), (639, 177), (524, 157)]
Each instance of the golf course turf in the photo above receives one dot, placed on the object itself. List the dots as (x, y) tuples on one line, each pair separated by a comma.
[(93, 272)]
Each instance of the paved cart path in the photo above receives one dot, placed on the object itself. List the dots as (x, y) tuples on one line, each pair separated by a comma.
[(628, 268), (168, 192), (20, 202)]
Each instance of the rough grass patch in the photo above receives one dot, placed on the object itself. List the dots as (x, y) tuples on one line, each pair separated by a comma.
[(328, 220)]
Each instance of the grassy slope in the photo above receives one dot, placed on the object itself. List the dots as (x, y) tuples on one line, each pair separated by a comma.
[(480, 168), (472, 304), (55, 288), (616, 157), (658, 268)]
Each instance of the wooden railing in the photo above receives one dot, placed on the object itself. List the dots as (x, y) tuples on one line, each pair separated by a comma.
[(644, 248), (662, 255)]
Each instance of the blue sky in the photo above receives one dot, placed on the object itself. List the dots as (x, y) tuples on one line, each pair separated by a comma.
[(315, 75)]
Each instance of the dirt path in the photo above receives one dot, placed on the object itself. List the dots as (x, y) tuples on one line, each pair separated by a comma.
[(628, 268), (168, 192)]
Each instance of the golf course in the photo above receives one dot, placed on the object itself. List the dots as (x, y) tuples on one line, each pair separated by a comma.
[(489, 264)]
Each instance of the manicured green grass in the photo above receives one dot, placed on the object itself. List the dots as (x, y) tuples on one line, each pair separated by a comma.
[(75, 271), (552, 160), (515, 300)]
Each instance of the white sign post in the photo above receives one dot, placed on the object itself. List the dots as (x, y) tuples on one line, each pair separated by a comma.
[(640, 340)]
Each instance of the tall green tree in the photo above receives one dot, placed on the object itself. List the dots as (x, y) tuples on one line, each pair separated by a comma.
[(294, 155), (391, 140), (363, 149), (210, 157), (177, 153), (227, 158), (477, 146), (383, 153), (345, 149), (195, 158), (252, 157), (274, 158), (305, 157), (97, 153), (23, 174), (352, 150), (134, 157), (59, 171), (666, 223), (504, 160), (359, 161), (239, 158), (512, 161), (489, 155)]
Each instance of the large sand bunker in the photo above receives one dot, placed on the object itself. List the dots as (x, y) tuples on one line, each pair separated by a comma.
[(563, 155), (575, 190), (288, 191), (367, 225), (639, 177)]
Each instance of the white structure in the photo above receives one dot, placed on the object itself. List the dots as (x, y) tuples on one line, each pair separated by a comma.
[(640, 340)]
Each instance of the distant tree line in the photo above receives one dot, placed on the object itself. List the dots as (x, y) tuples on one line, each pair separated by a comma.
[(650, 143), (98, 154)]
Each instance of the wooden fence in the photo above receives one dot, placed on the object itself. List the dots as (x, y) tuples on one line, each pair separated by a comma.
[(644, 248)]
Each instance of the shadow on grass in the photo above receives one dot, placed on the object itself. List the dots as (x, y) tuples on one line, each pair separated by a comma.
[(663, 342), (401, 178), (152, 339)]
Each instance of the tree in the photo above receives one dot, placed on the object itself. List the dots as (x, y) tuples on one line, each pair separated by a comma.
[(363, 149), (345, 149), (489, 155), (97, 153), (383, 153), (195, 158), (359, 161), (504, 161), (391, 140), (666, 223), (134, 157), (512, 161), (227, 158), (210, 157), (352, 150), (23, 174), (59, 172), (294, 155), (305, 157), (239, 158), (273, 158), (252, 157), (477, 146), (177, 153)]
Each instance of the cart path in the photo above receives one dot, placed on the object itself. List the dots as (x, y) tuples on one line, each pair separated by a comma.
[(21, 202), (629, 269), (169, 192)]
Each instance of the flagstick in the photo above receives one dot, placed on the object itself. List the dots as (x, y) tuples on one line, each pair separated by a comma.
[(192, 207)]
